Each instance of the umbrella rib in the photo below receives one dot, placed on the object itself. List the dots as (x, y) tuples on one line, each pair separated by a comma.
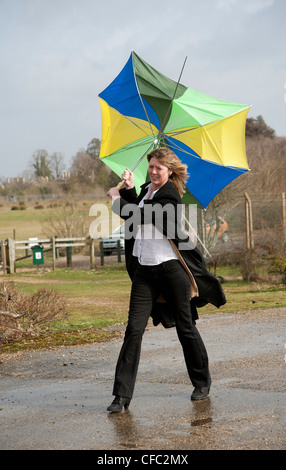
[(185, 151), (140, 159), (236, 168), (130, 146), (140, 97), (140, 127), (177, 132), (211, 142), (143, 156), (182, 131), (161, 131)]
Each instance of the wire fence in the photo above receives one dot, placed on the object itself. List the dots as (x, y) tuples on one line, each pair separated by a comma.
[(252, 234)]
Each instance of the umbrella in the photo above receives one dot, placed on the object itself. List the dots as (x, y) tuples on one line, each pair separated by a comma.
[(142, 109)]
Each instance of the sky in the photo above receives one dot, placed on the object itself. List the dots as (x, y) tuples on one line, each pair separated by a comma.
[(56, 56)]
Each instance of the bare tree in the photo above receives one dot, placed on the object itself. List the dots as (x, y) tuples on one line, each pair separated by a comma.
[(70, 220), (88, 168), (83, 165), (57, 164)]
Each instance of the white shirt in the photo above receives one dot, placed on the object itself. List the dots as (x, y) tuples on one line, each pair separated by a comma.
[(151, 246)]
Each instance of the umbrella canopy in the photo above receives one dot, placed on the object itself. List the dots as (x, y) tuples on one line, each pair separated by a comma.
[(143, 109)]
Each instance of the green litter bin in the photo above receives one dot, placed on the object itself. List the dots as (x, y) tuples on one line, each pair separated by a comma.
[(38, 254)]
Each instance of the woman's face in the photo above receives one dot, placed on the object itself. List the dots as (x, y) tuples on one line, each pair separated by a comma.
[(159, 174)]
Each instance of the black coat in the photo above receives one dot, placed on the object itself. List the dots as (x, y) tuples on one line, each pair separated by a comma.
[(210, 290)]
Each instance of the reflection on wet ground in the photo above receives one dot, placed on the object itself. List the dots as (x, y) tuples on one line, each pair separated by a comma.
[(126, 429), (132, 430), (202, 412), (129, 430)]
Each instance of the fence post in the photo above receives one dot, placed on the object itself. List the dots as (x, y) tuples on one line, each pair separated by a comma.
[(4, 257), (284, 215), (249, 222), (101, 253), (118, 251), (54, 252), (203, 229), (69, 256), (57, 249), (11, 255), (91, 253)]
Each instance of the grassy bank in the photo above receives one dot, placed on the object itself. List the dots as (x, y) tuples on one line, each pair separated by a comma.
[(97, 300)]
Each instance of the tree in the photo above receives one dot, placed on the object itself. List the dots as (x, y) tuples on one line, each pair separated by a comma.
[(88, 167), (93, 148), (83, 165), (57, 164), (71, 219), (41, 163), (257, 126), (103, 176)]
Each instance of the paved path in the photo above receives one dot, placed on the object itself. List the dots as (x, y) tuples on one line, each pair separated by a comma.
[(57, 399)]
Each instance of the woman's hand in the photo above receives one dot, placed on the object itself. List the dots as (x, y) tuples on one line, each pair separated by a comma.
[(113, 193), (127, 176)]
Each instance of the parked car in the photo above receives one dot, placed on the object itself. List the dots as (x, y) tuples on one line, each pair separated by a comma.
[(211, 229), (110, 242)]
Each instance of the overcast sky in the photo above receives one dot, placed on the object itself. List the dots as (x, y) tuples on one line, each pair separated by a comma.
[(56, 56)]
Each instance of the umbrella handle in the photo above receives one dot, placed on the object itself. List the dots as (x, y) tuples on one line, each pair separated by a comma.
[(120, 185)]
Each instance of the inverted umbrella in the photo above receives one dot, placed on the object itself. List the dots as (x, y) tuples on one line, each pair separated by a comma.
[(143, 109)]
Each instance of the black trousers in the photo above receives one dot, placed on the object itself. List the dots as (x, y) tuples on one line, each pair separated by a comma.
[(171, 280)]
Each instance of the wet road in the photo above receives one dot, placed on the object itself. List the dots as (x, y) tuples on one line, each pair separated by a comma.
[(57, 399)]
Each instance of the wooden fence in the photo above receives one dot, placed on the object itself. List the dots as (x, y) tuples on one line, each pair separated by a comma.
[(10, 249)]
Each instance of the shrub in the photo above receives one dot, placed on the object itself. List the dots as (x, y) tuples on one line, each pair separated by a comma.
[(278, 266), (249, 261), (23, 315)]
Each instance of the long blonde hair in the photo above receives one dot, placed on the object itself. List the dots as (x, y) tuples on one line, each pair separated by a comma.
[(169, 159)]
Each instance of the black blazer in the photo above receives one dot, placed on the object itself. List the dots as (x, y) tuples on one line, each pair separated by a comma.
[(210, 290)]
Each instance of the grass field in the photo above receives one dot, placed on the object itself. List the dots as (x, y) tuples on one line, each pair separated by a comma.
[(98, 299), (32, 222), (26, 223)]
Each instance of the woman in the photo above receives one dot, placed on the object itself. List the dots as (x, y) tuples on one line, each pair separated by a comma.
[(153, 264)]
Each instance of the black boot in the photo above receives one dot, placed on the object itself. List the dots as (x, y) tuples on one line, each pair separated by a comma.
[(200, 393), (118, 403)]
